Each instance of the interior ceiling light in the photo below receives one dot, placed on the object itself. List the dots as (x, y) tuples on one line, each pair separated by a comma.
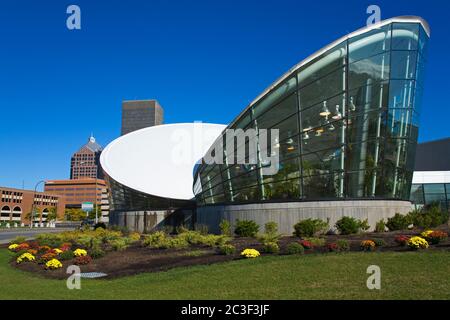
[(290, 148), (289, 141), (325, 112), (338, 114)]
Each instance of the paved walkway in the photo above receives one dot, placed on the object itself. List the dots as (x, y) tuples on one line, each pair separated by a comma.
[(8, 235)]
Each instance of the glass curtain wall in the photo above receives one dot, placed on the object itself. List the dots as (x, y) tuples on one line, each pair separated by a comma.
[(348, 126)]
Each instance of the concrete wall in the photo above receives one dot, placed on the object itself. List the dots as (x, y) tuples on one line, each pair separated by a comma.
[(288, 214), (147, 221)]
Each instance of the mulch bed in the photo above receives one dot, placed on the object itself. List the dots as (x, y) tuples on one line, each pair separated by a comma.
[(137, 259)]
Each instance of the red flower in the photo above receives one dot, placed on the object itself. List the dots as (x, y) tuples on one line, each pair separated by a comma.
[(306, 244), (22, 246), (402, 240), (82, 260), (332, 247)]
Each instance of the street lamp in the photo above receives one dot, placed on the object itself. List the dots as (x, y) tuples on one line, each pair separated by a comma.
[(33, 205)]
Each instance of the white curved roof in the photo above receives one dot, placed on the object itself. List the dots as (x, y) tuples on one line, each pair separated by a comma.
[(160, 160)]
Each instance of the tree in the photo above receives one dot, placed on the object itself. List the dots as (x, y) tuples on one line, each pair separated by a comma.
[(52, 215)]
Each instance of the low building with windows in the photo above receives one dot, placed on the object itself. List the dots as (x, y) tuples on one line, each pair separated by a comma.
[(17, 204), (431, 180)]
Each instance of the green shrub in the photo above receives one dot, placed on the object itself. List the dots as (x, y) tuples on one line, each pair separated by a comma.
[(316, 242), (271, 227), (428, 218), (192, 237), (246, 228), (380, 226), (209, 240), (181, 229), (227, 249), (310, 228), (66, 255), (175, 243), (97, 252), (118, 244), (100, 225), (18, 240), (52, 240), (134, 237), (202, 228), (343, 245), (398, 222), (350, 225), (364, 225), (225, 227), (379, 242), (155, 240), (222, 239), (271, 247), (295, 248)]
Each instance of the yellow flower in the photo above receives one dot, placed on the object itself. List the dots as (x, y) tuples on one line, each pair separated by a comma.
[(425, 234), (57, 251), (53, 264), (13, 246), (80, 253), (250, 253), (26, 256), (417, 243)]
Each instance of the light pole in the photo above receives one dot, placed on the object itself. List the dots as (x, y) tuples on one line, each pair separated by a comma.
[(33, 205)]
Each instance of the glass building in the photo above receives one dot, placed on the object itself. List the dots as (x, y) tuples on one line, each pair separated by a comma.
[(348, 120)]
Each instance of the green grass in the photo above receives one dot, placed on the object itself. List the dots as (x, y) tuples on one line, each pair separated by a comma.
[(412, 275)]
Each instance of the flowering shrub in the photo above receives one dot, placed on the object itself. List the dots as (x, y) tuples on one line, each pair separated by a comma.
[(417, 243), (32, 251), (25, 257), (80, 253), (426, 233), (57, 251), (402, 240), (33, 245), (65, 246), (434, 236), (332, 247), (48, 256), (22, 246), (43, 249), (368, 245), (53, 264), (306, 244), (81, 260), (250, 253), (13, 247)]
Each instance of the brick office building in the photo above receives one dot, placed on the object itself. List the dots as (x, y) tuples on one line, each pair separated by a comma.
[(16, 205)]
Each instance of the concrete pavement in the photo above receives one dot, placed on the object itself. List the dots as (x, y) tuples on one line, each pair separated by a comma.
[(8, 235)]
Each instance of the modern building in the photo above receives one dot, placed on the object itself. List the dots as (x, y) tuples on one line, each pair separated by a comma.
[(431, 179), (139, 114), (75, 192), (348, 119), (152, 185), (17, 204), (85, 163), (342, 133)]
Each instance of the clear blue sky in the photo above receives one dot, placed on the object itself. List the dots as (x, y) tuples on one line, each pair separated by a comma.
[(203, 60)]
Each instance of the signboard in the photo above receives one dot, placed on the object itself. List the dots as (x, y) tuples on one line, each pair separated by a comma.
[(87, 206)]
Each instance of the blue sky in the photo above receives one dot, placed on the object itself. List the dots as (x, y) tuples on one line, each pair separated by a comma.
[(203, 60)]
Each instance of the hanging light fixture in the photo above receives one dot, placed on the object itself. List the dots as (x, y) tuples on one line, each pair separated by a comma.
[(307, 126), (325, 112), (319, 132), (337, 115), (352, 106), (290, 148)]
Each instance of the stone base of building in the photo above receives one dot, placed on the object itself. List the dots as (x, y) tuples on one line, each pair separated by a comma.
[(287, 214), (148, 221)]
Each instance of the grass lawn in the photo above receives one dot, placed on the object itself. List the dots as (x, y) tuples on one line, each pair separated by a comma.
[(411, 275)]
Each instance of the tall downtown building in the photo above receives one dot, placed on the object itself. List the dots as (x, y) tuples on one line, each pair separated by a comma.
[(139, 114), (347, 118), (85, 163)]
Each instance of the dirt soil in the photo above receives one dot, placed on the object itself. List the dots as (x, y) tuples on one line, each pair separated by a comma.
[(137, 259)]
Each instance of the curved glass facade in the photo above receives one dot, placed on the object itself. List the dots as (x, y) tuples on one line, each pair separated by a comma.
[(348, 125)]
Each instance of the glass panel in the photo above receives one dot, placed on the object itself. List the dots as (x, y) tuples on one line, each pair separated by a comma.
[(401, 93), (423, 42), (321, 162), (323, 65), (434, 188), (288, 127), (366, 126), (405, 36), (287, 189), (288, 169), (366, 183), (403, 65), (250, 193), (243, 122), (417, 194), (321, 187), (363, 155), (369, 97), (399, 123), (369, 43), (325, 137), (285, 89), (322, 89), (278, 113), (368, 71)]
